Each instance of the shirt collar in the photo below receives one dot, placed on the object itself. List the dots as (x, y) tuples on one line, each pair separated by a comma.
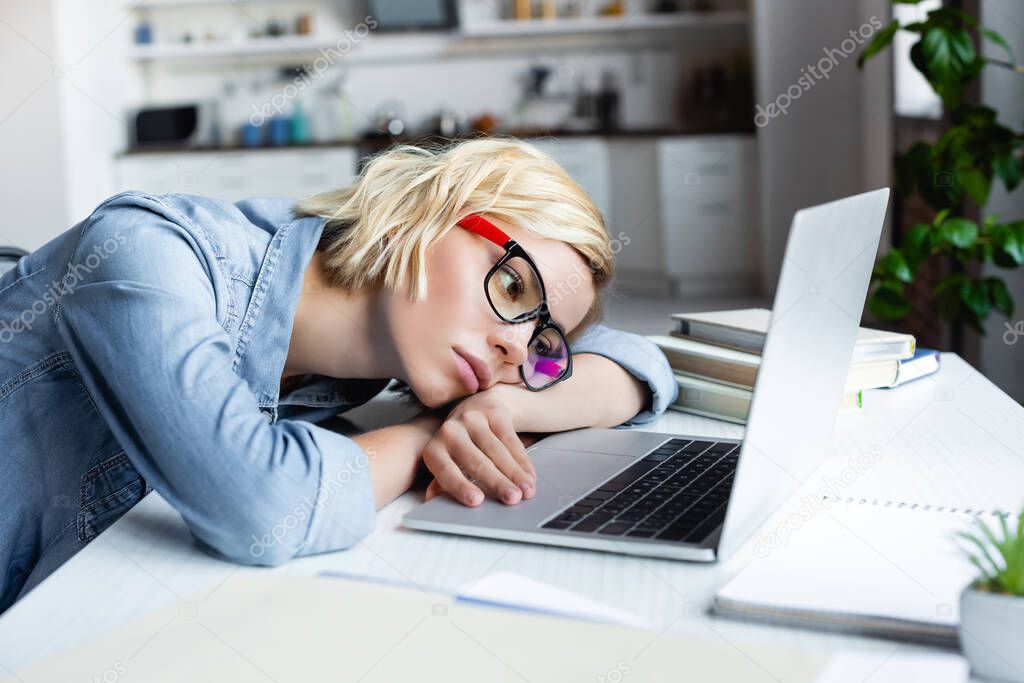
[(265, 332)]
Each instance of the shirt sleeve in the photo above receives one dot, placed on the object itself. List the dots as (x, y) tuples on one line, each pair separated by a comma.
[(641, 358), (142, 325)]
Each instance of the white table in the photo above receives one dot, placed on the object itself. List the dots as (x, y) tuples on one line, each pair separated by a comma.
[(952, 439)]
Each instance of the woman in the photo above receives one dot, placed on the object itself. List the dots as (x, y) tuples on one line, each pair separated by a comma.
[(189, 345)]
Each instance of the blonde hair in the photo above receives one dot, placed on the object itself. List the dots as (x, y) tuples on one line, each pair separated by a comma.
[(378, 229)]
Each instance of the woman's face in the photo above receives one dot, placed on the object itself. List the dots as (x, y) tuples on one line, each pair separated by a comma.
[(455, 318)]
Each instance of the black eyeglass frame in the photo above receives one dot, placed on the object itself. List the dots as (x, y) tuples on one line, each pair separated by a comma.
[(512, 250)]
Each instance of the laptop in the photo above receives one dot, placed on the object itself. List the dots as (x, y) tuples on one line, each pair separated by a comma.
[(693, 496)]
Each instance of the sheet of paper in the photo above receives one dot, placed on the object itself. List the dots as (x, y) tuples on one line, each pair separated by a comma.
[(507, 589)]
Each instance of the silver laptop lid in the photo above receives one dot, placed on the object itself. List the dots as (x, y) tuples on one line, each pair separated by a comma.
[(815, 318)]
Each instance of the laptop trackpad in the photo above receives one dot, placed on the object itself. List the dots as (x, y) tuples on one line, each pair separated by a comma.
[(562, 477)]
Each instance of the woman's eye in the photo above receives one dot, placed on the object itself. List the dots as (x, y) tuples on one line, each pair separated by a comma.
[(511, 283), (541, 347)]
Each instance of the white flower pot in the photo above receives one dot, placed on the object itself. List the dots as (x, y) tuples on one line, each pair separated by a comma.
[(992, 634)]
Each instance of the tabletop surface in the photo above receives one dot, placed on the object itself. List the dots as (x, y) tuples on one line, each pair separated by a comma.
[(950, 439)]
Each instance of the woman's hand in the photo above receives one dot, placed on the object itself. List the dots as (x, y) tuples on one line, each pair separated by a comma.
[(476, 450), (394, 455)]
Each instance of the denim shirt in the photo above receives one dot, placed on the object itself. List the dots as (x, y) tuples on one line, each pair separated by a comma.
[(143, 349)]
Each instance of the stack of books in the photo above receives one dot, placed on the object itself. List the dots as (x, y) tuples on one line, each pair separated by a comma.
[(716, 355)]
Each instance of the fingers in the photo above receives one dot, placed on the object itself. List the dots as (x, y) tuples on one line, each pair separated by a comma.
[(449, 476), (504, 430), (479, 452), (498, 440), (454, 454)]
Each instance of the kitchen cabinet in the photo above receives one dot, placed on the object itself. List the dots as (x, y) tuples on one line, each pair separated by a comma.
[(237, 174), (634, 224), (707, 194)]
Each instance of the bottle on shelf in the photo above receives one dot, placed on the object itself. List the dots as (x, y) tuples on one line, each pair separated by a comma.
[(300, 127)]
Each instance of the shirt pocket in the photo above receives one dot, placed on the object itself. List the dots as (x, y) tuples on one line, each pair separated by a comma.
[(110, 488)]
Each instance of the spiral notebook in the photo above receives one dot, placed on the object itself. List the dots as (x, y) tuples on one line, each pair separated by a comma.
[(878, 568)]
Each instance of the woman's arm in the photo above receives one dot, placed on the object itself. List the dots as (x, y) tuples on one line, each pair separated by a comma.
[(143, 330), (600, 393), (618, 379), (394, 454)]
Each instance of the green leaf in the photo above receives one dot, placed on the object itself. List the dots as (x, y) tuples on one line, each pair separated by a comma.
[(916, 245), (984, 574), (889, 302), (881, 40), (976, 184), (918, 59), (939, 217), (992, 566), (975, 297), (998, 40), (959, 232), (991, 538), (1008, 167), (1009, 237), (895, 265), (947, 52), (990, 221), (1000, 295)]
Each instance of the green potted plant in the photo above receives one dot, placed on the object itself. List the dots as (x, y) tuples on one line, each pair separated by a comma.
[(992, 608), (953, 176)]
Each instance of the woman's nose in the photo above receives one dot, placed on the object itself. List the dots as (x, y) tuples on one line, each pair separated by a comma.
[(512, 341)]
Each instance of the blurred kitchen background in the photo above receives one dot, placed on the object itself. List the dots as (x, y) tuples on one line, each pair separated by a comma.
[(649, 104)]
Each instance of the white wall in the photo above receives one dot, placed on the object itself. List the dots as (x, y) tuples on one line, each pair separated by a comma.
[(62, 90), (95, 85), (33, 189), (1003, 90), (834, 139)]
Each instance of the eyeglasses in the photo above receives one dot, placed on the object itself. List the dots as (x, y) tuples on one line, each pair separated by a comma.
[(516, 293)]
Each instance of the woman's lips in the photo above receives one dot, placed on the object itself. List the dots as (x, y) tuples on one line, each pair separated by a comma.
[(466, 373)]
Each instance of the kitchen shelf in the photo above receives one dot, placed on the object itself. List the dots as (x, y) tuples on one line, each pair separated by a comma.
[(604, 24), (473, 39)]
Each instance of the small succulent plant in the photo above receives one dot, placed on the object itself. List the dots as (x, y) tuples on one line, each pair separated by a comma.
[(1000, 561)]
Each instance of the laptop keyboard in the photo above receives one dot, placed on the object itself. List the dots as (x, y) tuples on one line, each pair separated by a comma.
[(677, 492)]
